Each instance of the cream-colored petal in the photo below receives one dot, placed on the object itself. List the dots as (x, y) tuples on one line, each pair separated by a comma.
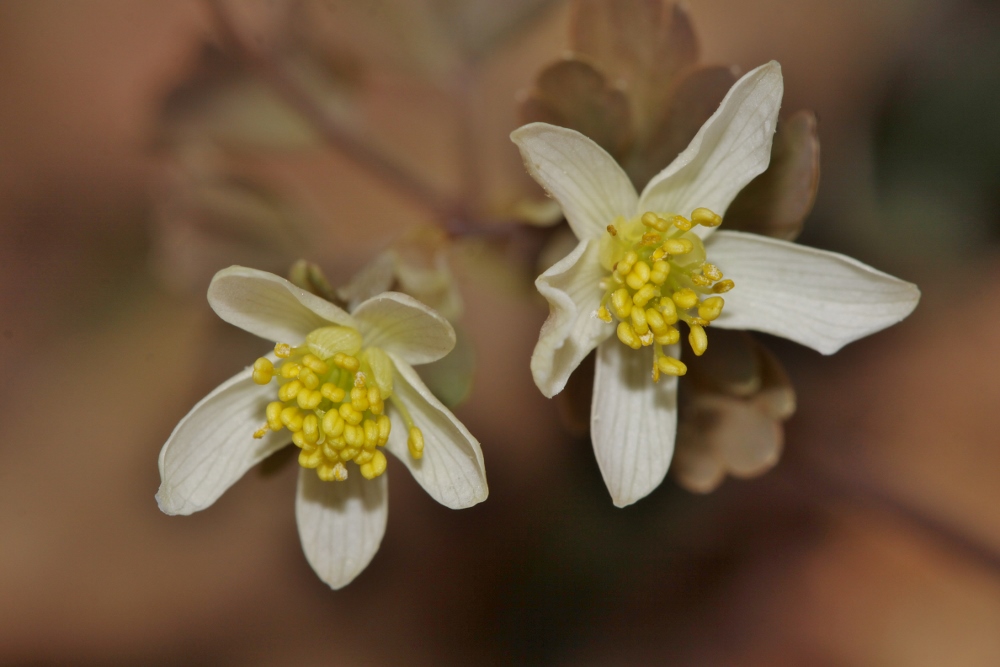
[(269, 306), (451, 469), (572, 330), (213, 445), (587, 182), (729, 151), (400, 324), (820, 299), (633, 421), (341, 524)]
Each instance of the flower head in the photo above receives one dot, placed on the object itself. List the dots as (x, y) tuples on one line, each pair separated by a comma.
[(645, 263), (342, 388)]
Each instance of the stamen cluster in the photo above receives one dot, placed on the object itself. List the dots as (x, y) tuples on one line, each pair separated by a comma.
[(335, 413), (659, 276)]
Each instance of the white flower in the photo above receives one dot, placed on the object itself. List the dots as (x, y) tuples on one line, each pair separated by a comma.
[(641, 260), (347, 390)]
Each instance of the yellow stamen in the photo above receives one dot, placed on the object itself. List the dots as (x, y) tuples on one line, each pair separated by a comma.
[(698, 339), (711, 308), (415, 443), (612, 230), (263, 370), (671, 366), (282, 350), (261, 432), (377, 465), (723, 286), (703, 216), (685, 298)]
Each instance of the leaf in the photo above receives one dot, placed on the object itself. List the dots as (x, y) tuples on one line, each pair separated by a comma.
[(571, 93), (777, 202), (696, 97), (644, 44)]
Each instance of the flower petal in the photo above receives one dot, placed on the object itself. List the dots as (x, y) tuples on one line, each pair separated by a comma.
[(729, 151), (820, 299), (213, 445), (400, 324), (451, 469), (587, 182), (633, 421), (341, 524), (269, 306), (572, 329)]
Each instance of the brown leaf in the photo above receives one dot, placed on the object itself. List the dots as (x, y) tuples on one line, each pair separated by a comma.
[(696, 97), (643, 43), (777, 202), (571, 93)]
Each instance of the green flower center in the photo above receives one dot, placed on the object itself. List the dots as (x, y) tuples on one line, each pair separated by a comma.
[(659, 275), (331, 396)]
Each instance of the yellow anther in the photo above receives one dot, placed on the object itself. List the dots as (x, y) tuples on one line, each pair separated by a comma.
[(669, 310), (698, 339), (350, 415), (291, 417), (626, 263), (711, 308), (685, 298), (660, 271), (310, 428), (415, 443), (375, 467), (348, 453), (299, 439), (650, 219), (330, 451), (359, 380), (638, 276), (703, 216), (700, 321), (364, 456), (332, 473), (612, 230), (681, 223), (669, 337), (658, 254), (603, 314), (644, 295), (678, 246), (273, 413), (384, 427), (655, 321), (711, 271), (651, 238), (671, 366), (263, 370), (332, 392), (289, 370), (282, 350), (627, 335), (723, 286), (639, 324), (311, 459), (308, 378), (289, 391), (700, 280), (333, 424), (359, 398), (375, 403), (308, 400), (371, 433), (346, 361), (261, 432), (621, 303), (354, 436), (315, 364)]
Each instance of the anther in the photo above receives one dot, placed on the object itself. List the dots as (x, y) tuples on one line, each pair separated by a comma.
[(346, 361), (310, 428), (282, 350), (354, 435), (711, 272), (669, 337), (612, 230), (661, 270), (644, 295), (639, 324), (723, 286), (655, 321), (671, 366), (638, 276), (311, 459), (626, 263), (292, 418), (359, 398), (651, 238), (330, 473), (669, 310), (261, 432), (621, 303), (698, 339), (685, 298), (332, 392), (703, 216), (289, 370), (350, 415), (376, 466), (333, 424), (371, 433), (384, 427), (603, 314), (308, 400), (315, 364), (650, 219), (628, 336), (289, 391), (711, 308), (273, 413), (682, 223), (263, 370), (415, 443), (678, 246)]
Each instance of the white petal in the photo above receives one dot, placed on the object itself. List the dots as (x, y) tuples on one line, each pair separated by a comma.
[(572, 330), (633, 421), (341, 524), (400, 324), (729, 151), (587, 182), (820, 299), (269, 306), (213, 445), (451, 469)]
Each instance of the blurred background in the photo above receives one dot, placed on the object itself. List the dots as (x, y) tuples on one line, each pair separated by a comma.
[(144, 146)]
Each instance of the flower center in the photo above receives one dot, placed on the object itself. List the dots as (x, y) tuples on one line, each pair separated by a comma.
[(331, 396), (659, 276)]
